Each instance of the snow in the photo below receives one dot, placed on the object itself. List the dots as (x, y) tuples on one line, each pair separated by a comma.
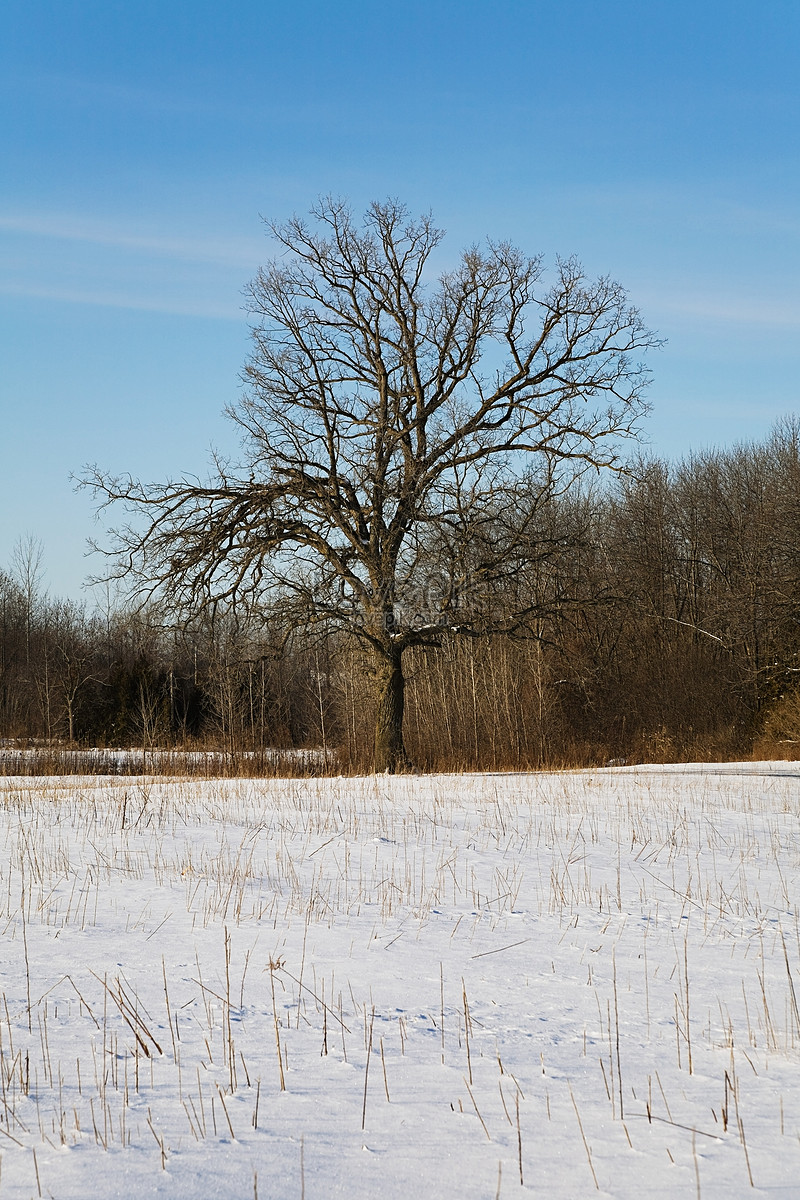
[(592, 975), (110, 761)]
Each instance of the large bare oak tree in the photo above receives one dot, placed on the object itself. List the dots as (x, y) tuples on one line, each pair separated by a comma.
[(391, 426)]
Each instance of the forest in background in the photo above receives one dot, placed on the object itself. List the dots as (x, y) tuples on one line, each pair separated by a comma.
[(664, 626)]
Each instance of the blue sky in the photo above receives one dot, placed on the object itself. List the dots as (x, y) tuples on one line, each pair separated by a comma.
[(140, 143)]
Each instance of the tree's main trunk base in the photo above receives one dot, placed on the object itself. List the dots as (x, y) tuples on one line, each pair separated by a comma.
[(396, 766), (390, 752)]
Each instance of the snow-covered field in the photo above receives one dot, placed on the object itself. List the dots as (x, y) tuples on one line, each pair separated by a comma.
[(437, 987)]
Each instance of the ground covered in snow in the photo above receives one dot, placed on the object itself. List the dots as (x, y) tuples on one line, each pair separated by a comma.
[(444, 986)]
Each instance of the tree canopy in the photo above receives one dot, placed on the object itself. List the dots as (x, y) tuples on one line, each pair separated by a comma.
[(399, 433)]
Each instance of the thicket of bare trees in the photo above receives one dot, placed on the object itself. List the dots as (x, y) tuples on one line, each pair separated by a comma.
[(71, 676), (669, 628)]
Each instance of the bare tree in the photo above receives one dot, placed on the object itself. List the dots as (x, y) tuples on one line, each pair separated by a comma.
[(387, 423), (73, 635), (28, 572)]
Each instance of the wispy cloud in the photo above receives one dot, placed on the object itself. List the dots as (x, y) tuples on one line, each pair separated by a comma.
[(85, 90), (234, 252), (717, 308), (702, 204), (157, 304)]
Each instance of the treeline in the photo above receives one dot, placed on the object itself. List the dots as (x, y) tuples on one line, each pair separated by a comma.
[(77, 677), (665, 625)]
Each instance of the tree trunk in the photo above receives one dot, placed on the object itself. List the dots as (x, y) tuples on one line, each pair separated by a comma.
[(390, 751)]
